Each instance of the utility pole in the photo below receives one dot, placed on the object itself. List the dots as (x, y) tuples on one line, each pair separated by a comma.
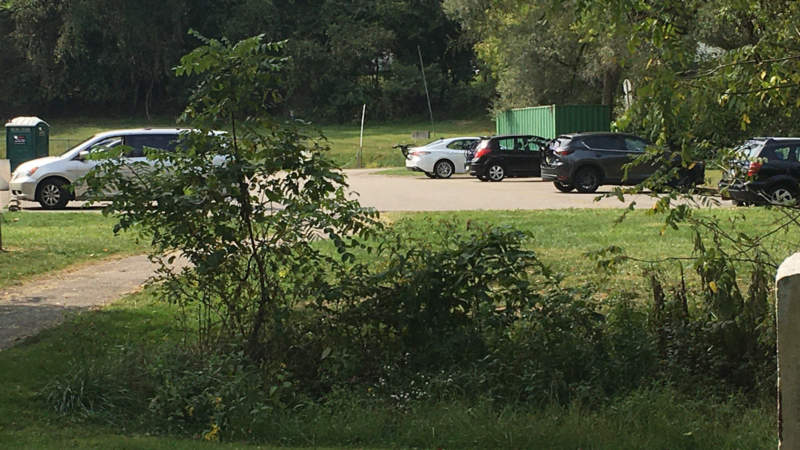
[(427, 95)]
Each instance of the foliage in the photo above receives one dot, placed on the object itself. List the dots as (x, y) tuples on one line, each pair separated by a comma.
[(243, 208), (101, 54)]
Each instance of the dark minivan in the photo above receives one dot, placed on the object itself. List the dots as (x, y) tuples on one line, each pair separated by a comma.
[(498, 157), (584, 161)]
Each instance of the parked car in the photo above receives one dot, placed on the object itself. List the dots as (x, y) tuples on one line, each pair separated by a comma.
[(440, 158), (585, 161), (765, 170), (498, 157), (47, 180)]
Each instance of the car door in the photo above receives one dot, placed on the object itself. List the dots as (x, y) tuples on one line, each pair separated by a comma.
[(780, 160), (530, 156), (636, 147), (79, 167), (458, 152), (505, 154), (608, 152)]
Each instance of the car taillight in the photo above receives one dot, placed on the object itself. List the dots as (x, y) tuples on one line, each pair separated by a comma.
[(482, 152), (419, 153), (754, 168), (563, 151)]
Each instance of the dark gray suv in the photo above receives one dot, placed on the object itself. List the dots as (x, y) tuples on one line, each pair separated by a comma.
[(584, 161)]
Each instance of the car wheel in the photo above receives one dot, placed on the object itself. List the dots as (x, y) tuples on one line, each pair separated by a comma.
[(587, 180), (443, 169), (430, 175), (495, 172), (783, 195), (52, 194), (563, 187)]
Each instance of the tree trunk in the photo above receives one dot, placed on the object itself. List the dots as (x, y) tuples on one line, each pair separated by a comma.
[(610, 85)]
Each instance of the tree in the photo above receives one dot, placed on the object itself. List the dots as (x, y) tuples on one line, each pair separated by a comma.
[(243, 207)]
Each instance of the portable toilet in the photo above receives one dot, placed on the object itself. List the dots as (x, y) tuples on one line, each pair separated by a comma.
[(27, 138)]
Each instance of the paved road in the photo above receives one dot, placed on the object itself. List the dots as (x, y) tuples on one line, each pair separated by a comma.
[(461, 192)]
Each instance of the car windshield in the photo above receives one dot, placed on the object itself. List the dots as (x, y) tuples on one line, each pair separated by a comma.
[(749, 149), (82, 144)]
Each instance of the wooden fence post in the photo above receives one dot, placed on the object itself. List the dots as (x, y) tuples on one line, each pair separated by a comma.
[(787, 309)]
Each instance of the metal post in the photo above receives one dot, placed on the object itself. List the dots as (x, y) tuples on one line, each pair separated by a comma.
[(427, 95), (361, 139)]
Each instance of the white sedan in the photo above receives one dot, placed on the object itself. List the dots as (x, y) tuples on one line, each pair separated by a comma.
[(442, 157)]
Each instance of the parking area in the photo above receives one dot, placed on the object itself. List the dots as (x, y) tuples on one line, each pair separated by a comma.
[(461, 192)]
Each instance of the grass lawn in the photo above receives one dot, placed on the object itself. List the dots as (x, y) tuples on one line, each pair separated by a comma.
[(343, 139), (657, 418), (562, 238), (379, 139), (36, 243)]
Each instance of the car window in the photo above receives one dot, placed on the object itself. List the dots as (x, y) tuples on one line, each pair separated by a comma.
[(781, 152), (527, 144), (138, 143), (750, 149), (634, 144), (505, 144), (462, 144), (603, 142), (106, 143), (558, 143)]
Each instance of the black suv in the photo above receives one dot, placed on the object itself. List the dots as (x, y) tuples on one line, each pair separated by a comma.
[(764, 170), (498, 157), (584, 161)]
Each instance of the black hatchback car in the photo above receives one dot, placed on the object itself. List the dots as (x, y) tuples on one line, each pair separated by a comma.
[(584, 161), (498, 157), (764, 170)]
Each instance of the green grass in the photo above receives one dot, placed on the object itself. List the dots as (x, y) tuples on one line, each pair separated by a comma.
[(37, 243), (379, 139), (656, 418), (343, 139), (562, 238)]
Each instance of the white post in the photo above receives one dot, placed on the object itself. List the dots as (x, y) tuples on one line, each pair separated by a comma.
[(787, 308), (5, 177), (361, 139)]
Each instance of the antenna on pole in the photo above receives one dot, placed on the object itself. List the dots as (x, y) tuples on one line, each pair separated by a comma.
[(427, 95)]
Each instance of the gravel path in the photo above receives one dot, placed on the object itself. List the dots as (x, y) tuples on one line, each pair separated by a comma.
[(27, 309)]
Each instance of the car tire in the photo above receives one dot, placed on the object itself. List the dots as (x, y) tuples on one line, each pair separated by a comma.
[(444, 169), (587, 180), (495, 172), (563, 187), (52, 194), (430, 174), (783, 195)]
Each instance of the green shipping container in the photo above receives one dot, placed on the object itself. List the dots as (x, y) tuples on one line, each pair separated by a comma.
[(551, 120)]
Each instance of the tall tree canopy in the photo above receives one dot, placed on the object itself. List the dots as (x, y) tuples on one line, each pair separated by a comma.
[(117, 54)]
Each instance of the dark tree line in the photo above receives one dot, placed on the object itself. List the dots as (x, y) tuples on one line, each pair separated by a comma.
[(92, 56)]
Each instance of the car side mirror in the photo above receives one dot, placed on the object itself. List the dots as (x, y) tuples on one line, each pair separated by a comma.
[(83, 155)]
